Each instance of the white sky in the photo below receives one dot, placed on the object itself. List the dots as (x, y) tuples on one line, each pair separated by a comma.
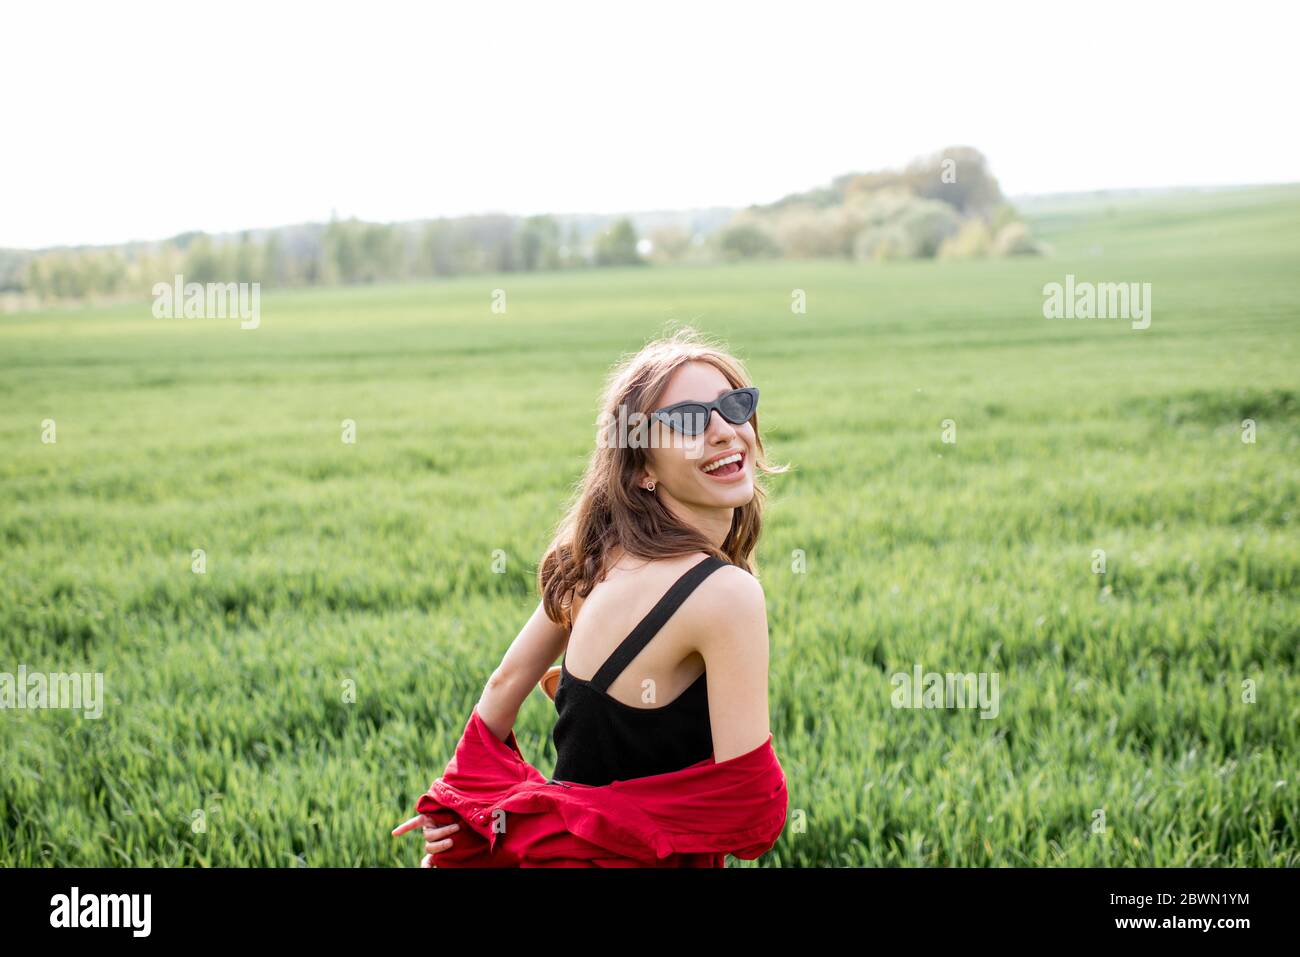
[(127, 120)]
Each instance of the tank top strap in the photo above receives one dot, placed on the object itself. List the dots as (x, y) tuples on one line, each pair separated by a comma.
[(654, 620)]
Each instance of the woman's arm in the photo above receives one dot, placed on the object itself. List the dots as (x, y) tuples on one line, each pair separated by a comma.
[(534, 650), (729, 626)]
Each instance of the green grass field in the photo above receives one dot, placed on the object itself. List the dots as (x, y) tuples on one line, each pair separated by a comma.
[(371, 563)]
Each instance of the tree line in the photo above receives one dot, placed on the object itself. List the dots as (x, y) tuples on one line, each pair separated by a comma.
[(339, 252), (947, 205)]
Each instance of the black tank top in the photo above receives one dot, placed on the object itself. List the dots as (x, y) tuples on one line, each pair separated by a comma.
[(599, 739)]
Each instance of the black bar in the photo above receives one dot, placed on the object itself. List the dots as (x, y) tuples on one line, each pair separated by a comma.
[(302, 906)]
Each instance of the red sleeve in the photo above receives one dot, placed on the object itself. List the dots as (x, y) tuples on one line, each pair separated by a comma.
[(514, 745), (468, 848)]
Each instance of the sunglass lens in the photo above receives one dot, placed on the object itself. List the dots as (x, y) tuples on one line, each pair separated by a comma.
[(688, 419), (736, 407)]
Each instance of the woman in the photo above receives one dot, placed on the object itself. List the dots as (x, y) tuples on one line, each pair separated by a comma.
[(649, 584)]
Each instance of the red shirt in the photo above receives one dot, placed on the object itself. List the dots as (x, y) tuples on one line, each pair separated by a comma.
[(511, 815)]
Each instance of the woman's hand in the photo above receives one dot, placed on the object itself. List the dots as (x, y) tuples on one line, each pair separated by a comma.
[(436, 839)]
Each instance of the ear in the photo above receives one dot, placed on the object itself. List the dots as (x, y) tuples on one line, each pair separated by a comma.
[(646, 477)]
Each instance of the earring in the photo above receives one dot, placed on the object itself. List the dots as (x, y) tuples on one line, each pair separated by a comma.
[(650, 487)]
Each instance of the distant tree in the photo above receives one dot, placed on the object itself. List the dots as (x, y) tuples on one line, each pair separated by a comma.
[(669, 244), (805, 232), (380, 251), (745, 241), (182, 240), (274, 264), (901, 226), (867, 185), (436, 256), (960, 177), (616, 246), (249, 263), (1013, 239), (973, 241), (341, 252), (571, 254), (539, 243), (75, 274), (202, 264)]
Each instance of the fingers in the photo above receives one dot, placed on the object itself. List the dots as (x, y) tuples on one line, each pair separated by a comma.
[(438, 839), (420, 820), (437, 847), (429, 825)]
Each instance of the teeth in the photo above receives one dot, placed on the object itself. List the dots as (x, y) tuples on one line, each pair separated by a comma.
[(721, 462)]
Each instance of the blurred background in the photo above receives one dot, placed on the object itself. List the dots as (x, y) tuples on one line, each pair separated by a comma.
[(294, 550)]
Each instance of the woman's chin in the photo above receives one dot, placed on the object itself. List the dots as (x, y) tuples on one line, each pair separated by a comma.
[(734, 495)]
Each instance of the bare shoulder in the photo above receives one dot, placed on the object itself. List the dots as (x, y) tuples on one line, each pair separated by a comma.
[(729, 608), (735, 586)]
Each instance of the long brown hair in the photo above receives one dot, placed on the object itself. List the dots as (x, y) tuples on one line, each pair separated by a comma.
[(611, 512)]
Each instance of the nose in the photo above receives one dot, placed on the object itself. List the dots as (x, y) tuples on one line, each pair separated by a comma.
[(719, 430)]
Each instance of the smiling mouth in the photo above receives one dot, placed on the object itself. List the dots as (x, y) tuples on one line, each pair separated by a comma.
[(725, 465)]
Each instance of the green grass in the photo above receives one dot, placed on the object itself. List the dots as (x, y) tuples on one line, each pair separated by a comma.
[(372, 562)]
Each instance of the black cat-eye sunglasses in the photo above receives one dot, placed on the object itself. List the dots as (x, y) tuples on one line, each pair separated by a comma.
[(692, 418)]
